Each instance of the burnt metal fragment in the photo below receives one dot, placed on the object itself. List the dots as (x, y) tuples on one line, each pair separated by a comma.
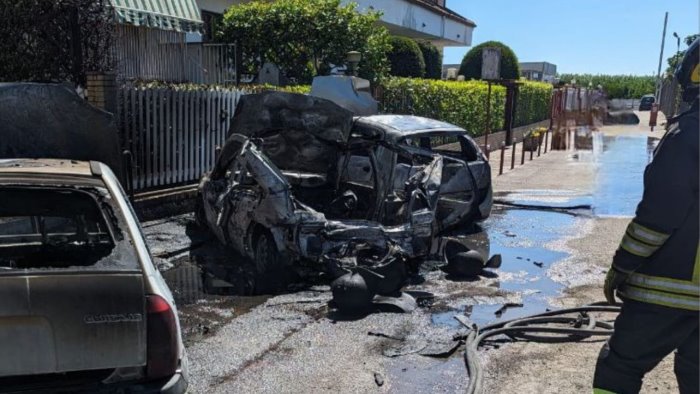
[(378, 379), (505, 307), (42, 120), (351, 294)]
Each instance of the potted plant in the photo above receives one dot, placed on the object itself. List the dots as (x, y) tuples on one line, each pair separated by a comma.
[(533, 138)]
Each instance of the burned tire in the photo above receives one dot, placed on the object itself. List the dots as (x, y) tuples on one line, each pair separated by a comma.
[(351, 294), (272, 271), (466, 264)]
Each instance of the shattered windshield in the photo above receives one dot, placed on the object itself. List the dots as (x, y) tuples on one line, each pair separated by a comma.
[(54, 228)]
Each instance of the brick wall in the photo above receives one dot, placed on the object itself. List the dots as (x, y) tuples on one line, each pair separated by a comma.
[(102, 91)]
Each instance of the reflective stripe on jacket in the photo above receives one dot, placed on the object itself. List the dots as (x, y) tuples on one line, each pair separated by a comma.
[(659, 250)]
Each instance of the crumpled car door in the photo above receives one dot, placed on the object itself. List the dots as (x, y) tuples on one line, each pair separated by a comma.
[(421, 191), (423, 204), (252, 184), (458, 190), (458, 193)]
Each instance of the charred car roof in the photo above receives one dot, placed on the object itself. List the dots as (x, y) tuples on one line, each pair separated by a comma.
[(393, 128)]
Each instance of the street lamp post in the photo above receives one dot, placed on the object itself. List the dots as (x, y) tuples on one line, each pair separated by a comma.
[(678, 42), (353, 58)]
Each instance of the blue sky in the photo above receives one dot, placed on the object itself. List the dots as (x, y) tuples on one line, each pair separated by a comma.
[(593, 36)]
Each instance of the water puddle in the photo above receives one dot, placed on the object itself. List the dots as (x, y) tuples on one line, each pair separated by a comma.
[(619, 163), (522, 238), (620, 175)]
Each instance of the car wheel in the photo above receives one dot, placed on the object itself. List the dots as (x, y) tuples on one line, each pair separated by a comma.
[(272, 273)]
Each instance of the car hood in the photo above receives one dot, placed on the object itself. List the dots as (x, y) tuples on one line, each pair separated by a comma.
[(300, 133), (39, 120)]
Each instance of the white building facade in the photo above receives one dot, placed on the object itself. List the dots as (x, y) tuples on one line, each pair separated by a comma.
[(430, 20)]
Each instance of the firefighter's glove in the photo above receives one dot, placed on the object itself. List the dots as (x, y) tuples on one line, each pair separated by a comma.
[(613, 280)]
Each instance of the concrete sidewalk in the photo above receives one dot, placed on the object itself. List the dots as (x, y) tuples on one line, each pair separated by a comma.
[(529, 367), (559, 169)]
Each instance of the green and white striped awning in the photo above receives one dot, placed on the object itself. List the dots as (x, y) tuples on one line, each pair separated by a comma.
[(178, 15)]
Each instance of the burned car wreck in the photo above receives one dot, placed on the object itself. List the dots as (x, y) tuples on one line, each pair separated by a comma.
[(300, 179)]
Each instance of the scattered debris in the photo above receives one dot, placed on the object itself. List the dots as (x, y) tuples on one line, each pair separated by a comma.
[(379, 379), (351, 294), (505, 307), (404, 303), (463, 262)]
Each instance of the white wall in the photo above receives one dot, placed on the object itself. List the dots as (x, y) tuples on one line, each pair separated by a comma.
[(400, 16), (218, 6), (423, 22), (458, 32)]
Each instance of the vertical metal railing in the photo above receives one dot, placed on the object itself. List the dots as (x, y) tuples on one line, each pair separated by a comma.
[(169, 136)]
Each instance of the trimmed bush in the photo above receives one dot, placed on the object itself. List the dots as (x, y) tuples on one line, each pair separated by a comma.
[(532, 103), (305, 38), (459, 103), (247, 89), (615, 86), (471, 63), (406, 58), (433, 59), (464, 103)]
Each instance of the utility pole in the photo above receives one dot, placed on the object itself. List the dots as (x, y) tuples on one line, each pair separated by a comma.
[(661, 57)]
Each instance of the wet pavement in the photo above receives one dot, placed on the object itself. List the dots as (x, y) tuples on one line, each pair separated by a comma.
[(212, 285), (522, 238)]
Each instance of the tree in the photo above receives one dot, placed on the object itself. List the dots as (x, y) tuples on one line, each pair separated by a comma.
[(471, 63), (57, 40), (433, 59), (406, 58), (305, 37), (674, 60)]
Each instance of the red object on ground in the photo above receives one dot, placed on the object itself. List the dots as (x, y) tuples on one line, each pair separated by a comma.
[(653, 115)]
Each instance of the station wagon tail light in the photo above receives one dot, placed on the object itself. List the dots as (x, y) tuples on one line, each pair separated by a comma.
[(161, 338)]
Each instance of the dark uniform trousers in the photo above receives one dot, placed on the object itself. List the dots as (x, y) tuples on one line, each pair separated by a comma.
[(649, 333)]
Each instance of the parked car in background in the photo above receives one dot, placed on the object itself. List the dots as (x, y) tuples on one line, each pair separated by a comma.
[(82, 306), (646, 102)]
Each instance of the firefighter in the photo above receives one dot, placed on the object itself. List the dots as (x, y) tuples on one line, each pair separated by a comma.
[(656, 269)]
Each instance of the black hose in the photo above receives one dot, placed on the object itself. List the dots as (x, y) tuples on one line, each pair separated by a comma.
[(542, 207), (517, 328)]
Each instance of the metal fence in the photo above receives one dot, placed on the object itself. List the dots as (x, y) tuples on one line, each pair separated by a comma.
[(171, 134), (211, 63), (669, 97), (144, 53), (152, 54)]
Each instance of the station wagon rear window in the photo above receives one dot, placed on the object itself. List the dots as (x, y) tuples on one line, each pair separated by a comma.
[(58, 228)]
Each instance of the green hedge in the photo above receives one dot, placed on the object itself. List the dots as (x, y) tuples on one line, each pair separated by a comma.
[(459, 103), (615, 86), (301, 89), (464, 103), (406, 58), (533, 103), (433, 59)]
